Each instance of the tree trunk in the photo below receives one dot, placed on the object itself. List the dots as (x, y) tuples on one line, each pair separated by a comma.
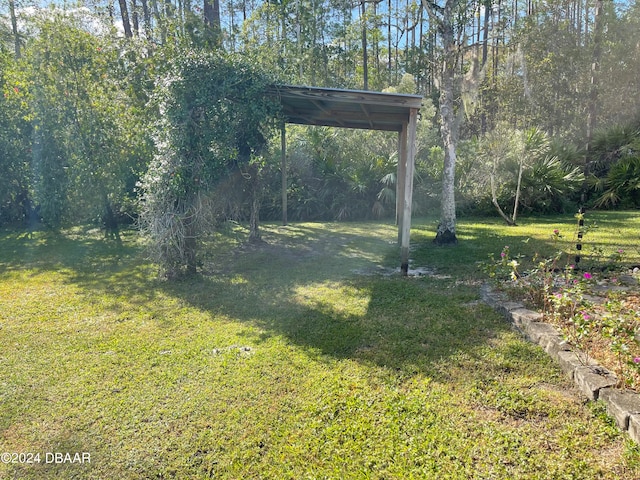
[(217, 24), (207, 12), (313, 60), (110, 222), (14, 27), (595, 70), (446, 233), (447, 228), (190, 255), (494, 200), (518, 188), (592, 114), (283, 170), (211, 13), (124, 13), (485, 55), (135, 18), (299, 41), (146, 16), (254, 218), (256, 202), (485, 31), (376, 45), (160, 20), (389, 46), (365, 55), (190, 240)]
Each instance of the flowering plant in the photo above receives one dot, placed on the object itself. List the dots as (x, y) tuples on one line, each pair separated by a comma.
[(587, 306)]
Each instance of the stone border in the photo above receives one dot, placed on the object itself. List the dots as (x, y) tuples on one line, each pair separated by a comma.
[(595, 382)]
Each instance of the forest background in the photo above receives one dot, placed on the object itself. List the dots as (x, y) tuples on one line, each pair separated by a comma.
[(545, 104)]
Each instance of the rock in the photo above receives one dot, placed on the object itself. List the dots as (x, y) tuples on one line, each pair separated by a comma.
[(628, 279), (634, 427), (621, 404), (553, 345), (591, 379), (535, 330), (569, 361), (506, 307), (522, 317)]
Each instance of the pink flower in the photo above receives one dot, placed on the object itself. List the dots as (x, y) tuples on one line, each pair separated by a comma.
[(503, 254), (556, 231), (636, 360), (585, 315), (587, 276)]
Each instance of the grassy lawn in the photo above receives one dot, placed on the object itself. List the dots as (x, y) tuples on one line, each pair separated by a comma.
[(298, 358)]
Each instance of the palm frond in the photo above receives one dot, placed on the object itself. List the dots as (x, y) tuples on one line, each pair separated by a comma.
[(386, 196), (389, 179)]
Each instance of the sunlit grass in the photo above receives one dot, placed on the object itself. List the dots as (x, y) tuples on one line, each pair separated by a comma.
[(533, 237), (303, 357)]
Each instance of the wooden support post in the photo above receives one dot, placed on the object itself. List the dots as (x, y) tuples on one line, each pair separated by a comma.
[(400, 178), (283, 168), (408, 188)]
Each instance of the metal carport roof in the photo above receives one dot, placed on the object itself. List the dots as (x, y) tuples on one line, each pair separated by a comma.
[(334, 107)]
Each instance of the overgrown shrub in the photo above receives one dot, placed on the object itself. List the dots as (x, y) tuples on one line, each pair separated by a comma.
[(214, 118)]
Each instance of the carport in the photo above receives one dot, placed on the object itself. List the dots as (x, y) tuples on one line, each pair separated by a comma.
[(331, 107)]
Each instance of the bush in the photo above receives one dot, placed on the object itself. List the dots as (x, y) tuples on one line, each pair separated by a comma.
[(214, 119)]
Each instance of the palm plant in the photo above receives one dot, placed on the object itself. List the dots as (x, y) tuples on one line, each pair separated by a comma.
[(527, 170), (513, 152), (548, 183), (610, 145), (622, 183), (386, 196), (615, 166)]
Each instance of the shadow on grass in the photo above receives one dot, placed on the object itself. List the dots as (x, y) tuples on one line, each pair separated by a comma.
[(76, 250), (331, 292), (321, 287), (407, 325)]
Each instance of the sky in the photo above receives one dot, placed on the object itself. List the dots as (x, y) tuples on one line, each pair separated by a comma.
[(44, 4), (31, 7)]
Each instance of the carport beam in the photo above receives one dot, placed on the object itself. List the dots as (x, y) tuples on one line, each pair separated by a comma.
[(400, 179), (409, 161), (283, 168)]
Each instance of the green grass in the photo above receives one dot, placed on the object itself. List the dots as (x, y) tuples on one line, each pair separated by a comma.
[(606, 233), (299, 358)]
